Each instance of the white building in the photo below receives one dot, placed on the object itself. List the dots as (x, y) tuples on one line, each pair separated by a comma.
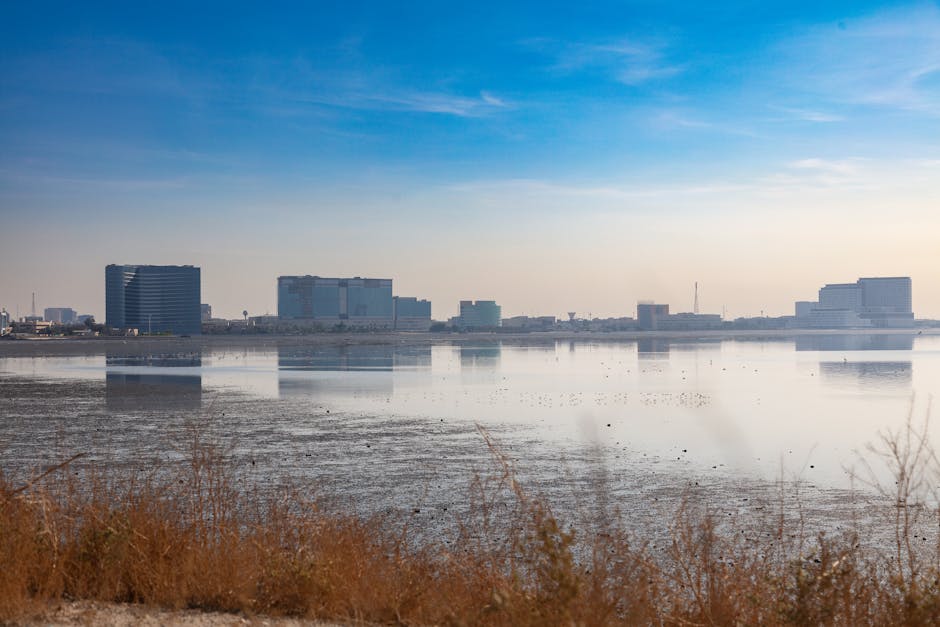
[(881, 302)]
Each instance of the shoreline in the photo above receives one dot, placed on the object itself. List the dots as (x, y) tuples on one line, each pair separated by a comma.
[(36, 347)]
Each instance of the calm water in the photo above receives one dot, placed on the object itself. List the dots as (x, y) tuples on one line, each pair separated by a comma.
[(384, 424)]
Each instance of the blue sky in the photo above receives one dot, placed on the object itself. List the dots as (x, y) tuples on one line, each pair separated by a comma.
[(551, 156)]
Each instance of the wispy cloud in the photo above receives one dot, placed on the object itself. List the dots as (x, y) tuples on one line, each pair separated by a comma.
[(351, 82), (811, 115), (628, 61), (889, 59), (391, 99), (675, 119), (845, 167)]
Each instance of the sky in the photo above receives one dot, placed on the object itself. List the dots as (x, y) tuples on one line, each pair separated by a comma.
[(550, 156)]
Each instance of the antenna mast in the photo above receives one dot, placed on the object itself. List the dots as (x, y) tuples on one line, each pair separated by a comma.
[(695, 302)]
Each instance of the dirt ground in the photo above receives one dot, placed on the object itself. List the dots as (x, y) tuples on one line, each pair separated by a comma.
[(125, 615)]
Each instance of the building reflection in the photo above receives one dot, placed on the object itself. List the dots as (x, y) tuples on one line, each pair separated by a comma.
[(877, 374), (158, 381), (652, 348), (855, 342), (344, 358), (480, 356), (297, 368)]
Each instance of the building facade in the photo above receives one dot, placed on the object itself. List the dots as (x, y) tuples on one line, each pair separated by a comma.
[(840, 296), (887, 301), (153, 299), (689, 322), (481, 314), (356, 301), (648, 315), (411, 314), (529, 323), (60, 315)]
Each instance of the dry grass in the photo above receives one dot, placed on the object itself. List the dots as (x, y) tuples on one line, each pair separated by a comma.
[(195, 540)]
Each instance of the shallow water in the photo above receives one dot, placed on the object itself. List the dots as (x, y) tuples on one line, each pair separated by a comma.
[(389, 426)]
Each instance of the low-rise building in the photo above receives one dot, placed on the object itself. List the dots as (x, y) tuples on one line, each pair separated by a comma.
[(411, 314), (31, 325), (529, 323), (689, 322)]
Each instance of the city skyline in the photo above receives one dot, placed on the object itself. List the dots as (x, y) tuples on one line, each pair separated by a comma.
[(312, 298), (544, 156)]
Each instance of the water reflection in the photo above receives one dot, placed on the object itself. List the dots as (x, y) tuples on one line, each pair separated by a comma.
[(855, 342), (373, 366), (480, 356), (880, 374), (652, 348), (336, 358), (129, 387)]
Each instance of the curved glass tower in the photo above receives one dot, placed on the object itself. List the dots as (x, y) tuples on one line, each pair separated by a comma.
[(153, 299)]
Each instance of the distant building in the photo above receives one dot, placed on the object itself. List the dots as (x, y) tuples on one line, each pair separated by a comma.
[(354, 302), (481, 314), (624, 323), (880, 302), (153, 299), (648, 314), (529, 323), (31, 325), (81, 318), (804, 308), (887, 301), (205, 312), (60, 315), (264, 321), (689, 322), (411, 314), (763, 323), (4, 320)]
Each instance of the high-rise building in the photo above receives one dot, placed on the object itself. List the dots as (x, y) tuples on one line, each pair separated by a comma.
[(62, 315), (205, 312), (153, 299), (5, 319), (481, 314), (356, 301)]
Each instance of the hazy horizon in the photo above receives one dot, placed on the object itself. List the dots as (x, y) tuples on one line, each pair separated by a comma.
[(549, 157)]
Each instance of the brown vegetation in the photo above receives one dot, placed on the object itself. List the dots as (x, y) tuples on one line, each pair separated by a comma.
[(196, 541)]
